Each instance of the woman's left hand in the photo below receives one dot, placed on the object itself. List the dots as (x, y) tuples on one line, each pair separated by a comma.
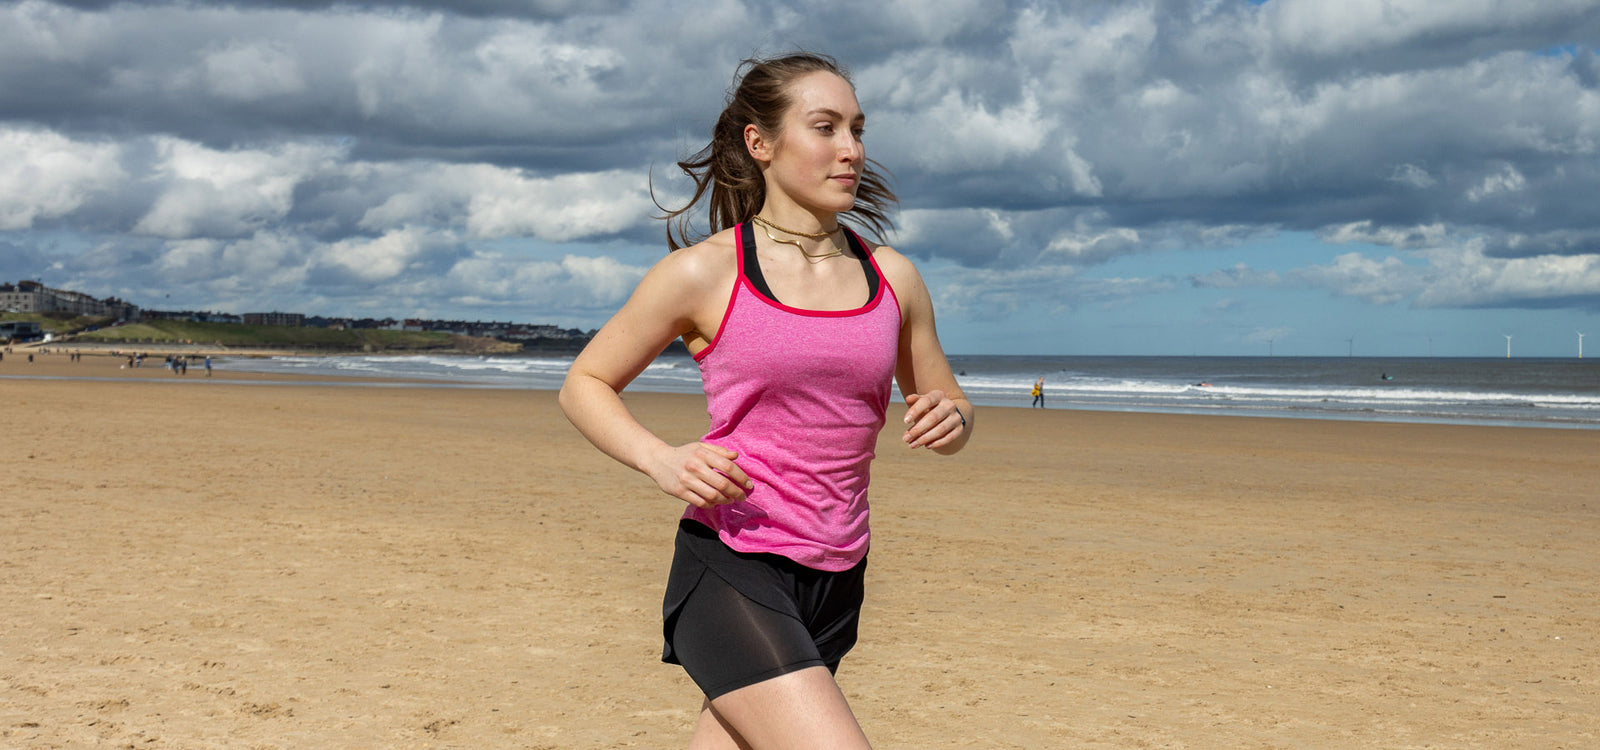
[(933, 419)]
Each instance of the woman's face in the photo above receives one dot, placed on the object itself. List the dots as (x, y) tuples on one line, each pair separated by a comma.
[(817, 159)]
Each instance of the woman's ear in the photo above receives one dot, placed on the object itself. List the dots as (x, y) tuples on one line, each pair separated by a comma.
[(758, 146)]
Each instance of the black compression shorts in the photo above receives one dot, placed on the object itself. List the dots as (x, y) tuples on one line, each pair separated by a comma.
[(733, 619)]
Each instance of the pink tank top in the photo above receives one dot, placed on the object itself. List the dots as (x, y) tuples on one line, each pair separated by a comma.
[(801, 395)]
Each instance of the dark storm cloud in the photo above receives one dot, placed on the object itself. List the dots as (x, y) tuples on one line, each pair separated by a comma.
[(18, 262), (1272, 118), (534, 9), (1019, 132), (225, 76)]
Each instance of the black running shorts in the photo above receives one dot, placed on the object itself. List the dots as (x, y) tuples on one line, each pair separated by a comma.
[(733, 619)]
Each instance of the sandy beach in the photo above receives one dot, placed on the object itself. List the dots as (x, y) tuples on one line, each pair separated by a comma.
[(194, 563)]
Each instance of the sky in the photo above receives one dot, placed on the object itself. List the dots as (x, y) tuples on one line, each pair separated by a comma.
[(1127, 177)]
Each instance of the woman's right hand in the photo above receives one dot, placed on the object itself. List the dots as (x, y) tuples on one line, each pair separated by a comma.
[(700, 474)]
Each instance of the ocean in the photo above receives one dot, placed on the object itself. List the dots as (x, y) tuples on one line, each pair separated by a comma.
[(1557, 393)]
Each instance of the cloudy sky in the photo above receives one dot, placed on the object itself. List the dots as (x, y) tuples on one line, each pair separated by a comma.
[(1383, 177)]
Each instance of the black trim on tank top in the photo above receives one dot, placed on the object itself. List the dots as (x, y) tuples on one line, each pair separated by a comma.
[(752, 265)]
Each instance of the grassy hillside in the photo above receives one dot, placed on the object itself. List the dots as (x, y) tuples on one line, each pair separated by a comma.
[(56, 323), (269, 337)]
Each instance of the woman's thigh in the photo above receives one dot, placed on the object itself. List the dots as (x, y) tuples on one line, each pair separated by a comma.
[(803, 709)]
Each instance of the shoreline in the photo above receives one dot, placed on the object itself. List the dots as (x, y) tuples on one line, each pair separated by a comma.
[(103, 365), (46, 366), (203, 350)]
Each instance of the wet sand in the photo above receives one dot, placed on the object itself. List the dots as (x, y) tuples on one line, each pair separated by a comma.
[(219, 565)]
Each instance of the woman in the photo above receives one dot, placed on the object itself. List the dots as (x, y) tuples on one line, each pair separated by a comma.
[(798, 326)]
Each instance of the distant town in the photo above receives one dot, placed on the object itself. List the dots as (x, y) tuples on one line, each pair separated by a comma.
[(36, 298)]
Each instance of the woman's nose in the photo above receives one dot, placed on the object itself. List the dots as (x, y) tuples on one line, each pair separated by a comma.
[(853, 150)]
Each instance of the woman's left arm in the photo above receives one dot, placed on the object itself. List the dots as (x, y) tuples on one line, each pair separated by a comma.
[(939, 415)]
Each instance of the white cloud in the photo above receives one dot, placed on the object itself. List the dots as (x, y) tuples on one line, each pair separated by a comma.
[(1381, 282), (536, 67), (271, 259), (959, 133), (1469, 279), (207, 192), (1413, 175), (491, 202), (1092, 246), (1504, 180), (1078, 57), (573, 283), (560, 208), (986, 231), (378, 259), (604, 278), (1453, 274), (1402, 238), (44, 175)]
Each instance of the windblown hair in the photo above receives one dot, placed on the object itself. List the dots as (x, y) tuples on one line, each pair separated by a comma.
[(760, 95)]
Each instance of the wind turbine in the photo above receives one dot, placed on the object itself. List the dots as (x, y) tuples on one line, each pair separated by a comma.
[(1508, 345), (1580, 344)]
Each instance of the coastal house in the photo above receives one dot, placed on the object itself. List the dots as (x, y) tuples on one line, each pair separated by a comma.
[(34, 297), (294, 320)]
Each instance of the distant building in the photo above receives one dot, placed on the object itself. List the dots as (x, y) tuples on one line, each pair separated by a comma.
[(295, 320), (193, 316), (34, 297), (21, 330)]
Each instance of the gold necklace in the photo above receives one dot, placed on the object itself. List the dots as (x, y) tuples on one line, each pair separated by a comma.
[(807, 235), (767, 226), (817, 258)]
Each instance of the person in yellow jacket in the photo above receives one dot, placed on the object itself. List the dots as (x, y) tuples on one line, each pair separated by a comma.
[(1038, 393)]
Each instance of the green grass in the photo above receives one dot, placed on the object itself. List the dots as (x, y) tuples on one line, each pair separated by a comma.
[(268, 337), (56, 323)]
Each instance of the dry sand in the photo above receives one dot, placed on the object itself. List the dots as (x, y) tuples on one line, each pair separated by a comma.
[(214, 564)]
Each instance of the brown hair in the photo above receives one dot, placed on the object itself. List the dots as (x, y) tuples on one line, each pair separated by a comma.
[(724, 167)]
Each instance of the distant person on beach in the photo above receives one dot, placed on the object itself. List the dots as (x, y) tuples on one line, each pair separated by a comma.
[(208, 365), (799, 325), (1038, 393)]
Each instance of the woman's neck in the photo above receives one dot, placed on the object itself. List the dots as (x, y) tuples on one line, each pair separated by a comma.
[(793, 219)]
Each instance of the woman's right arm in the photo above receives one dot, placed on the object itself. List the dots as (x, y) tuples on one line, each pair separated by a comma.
[(662, 308)]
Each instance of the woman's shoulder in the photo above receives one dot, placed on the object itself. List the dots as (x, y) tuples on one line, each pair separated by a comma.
[(708, 262), (896, 267)]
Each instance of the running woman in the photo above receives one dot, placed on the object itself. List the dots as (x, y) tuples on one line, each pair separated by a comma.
[(798, 325)]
